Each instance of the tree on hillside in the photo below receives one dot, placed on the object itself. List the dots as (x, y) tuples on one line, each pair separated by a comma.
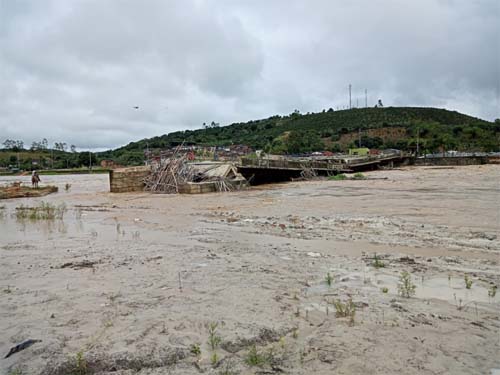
[(35, 146), (60, 146), (13, 145)]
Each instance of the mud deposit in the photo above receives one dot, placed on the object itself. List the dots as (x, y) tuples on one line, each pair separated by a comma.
[(134, 283)]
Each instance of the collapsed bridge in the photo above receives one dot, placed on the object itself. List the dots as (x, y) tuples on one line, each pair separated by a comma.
[(267, 170)]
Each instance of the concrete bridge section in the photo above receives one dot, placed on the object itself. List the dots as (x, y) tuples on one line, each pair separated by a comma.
[(260, 171)]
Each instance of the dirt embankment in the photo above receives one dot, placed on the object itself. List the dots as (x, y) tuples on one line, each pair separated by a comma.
[(19, 191)]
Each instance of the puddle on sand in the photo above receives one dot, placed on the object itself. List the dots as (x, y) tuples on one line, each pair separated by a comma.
[(441, 288)]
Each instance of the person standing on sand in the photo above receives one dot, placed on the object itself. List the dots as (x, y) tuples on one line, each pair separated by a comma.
[(35, 179)]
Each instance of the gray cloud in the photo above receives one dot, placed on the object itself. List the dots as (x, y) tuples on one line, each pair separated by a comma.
[(72, 71)]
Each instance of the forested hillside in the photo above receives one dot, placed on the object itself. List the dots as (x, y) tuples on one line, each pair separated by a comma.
[(392, 127), (328, 130)]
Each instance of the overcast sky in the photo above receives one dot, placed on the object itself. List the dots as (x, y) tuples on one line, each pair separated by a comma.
[(72, 71)]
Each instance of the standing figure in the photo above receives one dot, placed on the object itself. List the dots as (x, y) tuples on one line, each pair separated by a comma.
[(35, 179)]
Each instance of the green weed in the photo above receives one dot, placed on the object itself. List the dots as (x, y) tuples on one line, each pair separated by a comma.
[(468, 282), (195, 349), (80, 364), (359, 176), (377, 262), (255, 358), (406, 288), (492, 292), (214, 358), (385, 290), (329, 279), (345, 310), (214, 341)]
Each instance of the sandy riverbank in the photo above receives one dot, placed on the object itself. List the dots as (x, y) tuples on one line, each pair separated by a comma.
[(132, 281)]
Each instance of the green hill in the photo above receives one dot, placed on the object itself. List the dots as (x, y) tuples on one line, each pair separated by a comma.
[(391, 127)]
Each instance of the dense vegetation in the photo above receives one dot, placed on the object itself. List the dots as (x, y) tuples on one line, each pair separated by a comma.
[(45, 159), (392, 127), (437, 129)]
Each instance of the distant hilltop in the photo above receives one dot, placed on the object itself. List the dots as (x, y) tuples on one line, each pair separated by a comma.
[(391, 127)]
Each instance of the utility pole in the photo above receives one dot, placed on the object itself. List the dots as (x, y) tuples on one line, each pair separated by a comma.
[(349, 96), (418, 134), (366, 98), (359, 137), (90, 160), (357, 103)]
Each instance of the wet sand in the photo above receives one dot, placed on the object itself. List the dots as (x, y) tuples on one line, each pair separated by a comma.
[(133, 281)]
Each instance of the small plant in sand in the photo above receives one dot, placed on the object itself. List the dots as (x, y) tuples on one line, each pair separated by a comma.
[(214, 358), (214, 341), (492, 292), (295, 333), (468, 282), (377, 262), (385, 290), (406, 288), (345, 309), (195, 350), (67, 187), (80, 364), (329, 279), (255, 358), (16, 371), (7, 290), (459, 303), (227, 368)]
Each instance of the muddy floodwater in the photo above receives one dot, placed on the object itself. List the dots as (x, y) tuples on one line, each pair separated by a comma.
[(295, 278)]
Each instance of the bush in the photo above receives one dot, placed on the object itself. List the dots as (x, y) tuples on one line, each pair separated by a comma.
[(338, 177)]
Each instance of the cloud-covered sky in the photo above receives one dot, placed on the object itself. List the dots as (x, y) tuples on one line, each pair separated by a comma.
[(73, 71)]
